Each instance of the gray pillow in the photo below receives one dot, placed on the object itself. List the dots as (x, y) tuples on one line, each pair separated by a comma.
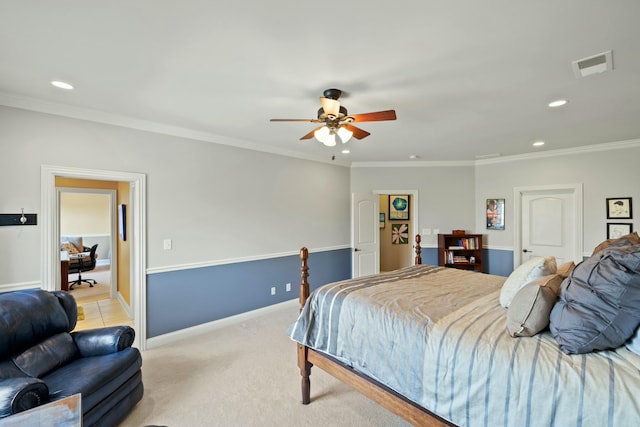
[(529, 310), (598, 305)]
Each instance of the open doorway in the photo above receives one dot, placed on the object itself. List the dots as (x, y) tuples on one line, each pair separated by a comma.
[(133, 186), (396, 232)]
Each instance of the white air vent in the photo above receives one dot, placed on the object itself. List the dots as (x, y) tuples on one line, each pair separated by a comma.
[(593, 65)]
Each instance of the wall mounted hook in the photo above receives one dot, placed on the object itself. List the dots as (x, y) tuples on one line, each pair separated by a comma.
[(18, 219)]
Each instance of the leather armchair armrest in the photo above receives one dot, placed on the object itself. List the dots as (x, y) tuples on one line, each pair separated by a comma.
[(21, 393), (97, 342)]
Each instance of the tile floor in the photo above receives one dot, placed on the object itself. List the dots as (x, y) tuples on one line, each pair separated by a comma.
[(99, 309), (106, 312)]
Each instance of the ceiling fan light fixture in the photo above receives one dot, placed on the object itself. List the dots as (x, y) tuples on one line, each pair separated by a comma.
[(330, 140), (326, 136), (344, 134)]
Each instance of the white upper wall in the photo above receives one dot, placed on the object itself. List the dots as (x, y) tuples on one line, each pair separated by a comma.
[(608, 170), (454, 197), (216, 202), (445, 193)]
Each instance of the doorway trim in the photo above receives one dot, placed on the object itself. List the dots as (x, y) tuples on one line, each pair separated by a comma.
[(518, 192), (51, 224), (413, 210)]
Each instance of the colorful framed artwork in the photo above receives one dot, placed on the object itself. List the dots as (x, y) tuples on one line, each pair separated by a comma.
[(122, 221), (399, 234), (398, 207), (495, 214), (381, 220), (619, 208), (616, 230)]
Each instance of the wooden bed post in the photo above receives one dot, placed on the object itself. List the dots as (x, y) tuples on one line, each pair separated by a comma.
[(418, 259), (303, 363)]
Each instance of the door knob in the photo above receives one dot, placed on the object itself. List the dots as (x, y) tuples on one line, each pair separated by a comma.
[(355, 249), (525, 251)]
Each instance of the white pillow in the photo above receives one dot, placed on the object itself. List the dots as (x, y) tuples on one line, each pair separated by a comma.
[(634, 343), (525, 273)]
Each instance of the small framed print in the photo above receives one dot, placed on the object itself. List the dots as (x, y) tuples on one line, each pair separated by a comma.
[(381, 220), (495, 214), (616, 230), (398, 207), (399, 234), (122, 221), (619, 208)]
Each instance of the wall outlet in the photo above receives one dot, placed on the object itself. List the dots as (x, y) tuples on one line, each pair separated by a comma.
[(273, 290), (167, 244), (288, 287), (426, 231)]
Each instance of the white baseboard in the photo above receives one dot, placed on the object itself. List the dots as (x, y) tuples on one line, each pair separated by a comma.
[(172, 337)]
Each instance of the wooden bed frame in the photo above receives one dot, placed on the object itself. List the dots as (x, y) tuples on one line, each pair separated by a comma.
[(379, 393)]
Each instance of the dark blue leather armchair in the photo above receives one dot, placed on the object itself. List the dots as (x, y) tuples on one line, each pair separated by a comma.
[(42, 360)]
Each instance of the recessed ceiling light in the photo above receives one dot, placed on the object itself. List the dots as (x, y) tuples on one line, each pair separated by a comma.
[(345, 151), (414, 156), (538, 143), (558, 103), (62, 85)]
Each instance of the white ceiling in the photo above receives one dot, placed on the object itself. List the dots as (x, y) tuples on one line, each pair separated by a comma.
[(467, 78)]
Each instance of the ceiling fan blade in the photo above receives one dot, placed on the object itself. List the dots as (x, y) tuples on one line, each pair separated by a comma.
[(357, 132), (377, 116), (330, 106), (297, 120), (310, 134)]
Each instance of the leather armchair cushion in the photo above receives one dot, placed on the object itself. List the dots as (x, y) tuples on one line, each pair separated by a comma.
[(50, 354), (97, 342), (18, 331), (95, 377), (20, 394)]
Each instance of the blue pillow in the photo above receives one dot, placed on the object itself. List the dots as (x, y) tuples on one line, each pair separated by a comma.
[(598, 306)]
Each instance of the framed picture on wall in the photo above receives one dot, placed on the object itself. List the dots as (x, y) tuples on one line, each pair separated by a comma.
[(122, 221), (495, 214), (381, 219), (399, 234), (398, 207), (615, 230), (619, 208)]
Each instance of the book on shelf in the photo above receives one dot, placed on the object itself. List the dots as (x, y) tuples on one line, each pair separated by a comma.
[(453, 248)]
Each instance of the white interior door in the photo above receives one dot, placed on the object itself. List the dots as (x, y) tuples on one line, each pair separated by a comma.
[(551, 224), (365, 234)]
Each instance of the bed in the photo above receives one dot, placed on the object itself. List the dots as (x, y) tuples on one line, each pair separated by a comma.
[(434, 345)]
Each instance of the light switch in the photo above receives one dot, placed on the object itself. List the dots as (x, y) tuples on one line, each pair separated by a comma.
[(167, 244)]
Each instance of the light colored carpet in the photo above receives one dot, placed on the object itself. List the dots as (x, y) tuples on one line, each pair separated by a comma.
[(84, 293), (245, 375)]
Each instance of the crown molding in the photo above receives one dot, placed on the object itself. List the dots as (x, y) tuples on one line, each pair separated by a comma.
[(65, 110), (606, 146), (98, 116)]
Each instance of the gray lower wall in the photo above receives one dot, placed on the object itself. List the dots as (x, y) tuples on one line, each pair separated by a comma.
[(190, 297)]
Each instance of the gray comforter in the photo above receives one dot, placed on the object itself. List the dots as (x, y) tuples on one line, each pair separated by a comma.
[(438, 336)]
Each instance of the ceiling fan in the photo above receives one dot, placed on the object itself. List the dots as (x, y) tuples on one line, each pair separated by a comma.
[(337, 121)]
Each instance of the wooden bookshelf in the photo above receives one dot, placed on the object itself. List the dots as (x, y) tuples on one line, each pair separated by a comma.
[(463, 251)]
